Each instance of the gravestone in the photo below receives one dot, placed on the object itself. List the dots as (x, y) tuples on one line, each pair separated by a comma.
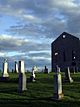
[(5, 69), (74, 66), (33, 73), (46, 70), (22, 82), (68, 76), (22, 77), (21, 67), (16, 67), (58, 94)]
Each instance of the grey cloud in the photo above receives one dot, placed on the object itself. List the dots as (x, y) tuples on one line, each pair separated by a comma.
[(22, 45), (40, 54), (10, 43)]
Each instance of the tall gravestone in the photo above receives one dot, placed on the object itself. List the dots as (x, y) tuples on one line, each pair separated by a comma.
[(58, 94), (33, 73), (22, 77), (68, 76), (16, 67), (5, 69)]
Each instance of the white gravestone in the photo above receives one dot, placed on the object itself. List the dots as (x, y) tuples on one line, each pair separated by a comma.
[(68, 76), (32, 77), (58, 94), (22, 77), (33, 72), (5, 69), (16, 67)]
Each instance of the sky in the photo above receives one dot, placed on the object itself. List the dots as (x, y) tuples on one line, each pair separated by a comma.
[(28, 27)]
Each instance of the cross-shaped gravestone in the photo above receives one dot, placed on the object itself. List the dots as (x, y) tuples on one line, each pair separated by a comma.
[(5, 69)]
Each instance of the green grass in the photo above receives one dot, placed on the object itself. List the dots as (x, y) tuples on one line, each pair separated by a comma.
[(39, 93)]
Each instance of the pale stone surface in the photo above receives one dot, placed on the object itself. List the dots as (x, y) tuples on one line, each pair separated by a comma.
[(59, 83), (5, 69), (32, 77), (71, 80), (33, 73), (58, 94), (22, 77), (24, 82)]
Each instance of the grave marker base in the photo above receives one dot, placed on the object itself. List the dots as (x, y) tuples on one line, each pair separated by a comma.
[(58, 96)]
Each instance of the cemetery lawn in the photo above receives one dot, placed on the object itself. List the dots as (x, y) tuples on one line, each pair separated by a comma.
[(39, 93)]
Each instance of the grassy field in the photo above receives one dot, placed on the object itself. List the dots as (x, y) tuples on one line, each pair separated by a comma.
[(39, 93)]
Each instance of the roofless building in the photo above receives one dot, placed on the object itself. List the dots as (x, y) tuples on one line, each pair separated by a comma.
[(65, 51)]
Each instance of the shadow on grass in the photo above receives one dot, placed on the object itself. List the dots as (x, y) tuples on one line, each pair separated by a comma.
[(46, 80), (40, 102), (9, 80)]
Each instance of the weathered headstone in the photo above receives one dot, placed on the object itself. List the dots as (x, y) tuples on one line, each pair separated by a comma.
[(58, 94), (16, 67), (32, 77), (68, 76), (5, 69), (22, 77)]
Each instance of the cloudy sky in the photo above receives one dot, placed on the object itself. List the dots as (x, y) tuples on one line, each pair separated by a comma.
[(27, 28)]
